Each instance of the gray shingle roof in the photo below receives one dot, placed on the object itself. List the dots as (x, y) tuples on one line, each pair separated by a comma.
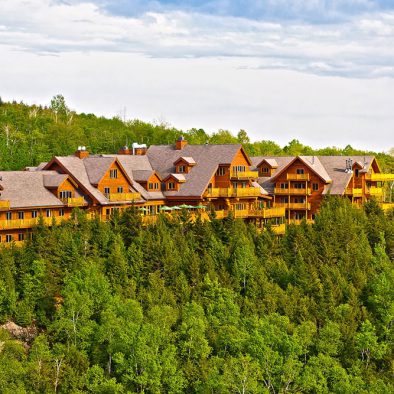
[(330, 168), (53, 181), (25, 189), (96, 167), (207, 157)]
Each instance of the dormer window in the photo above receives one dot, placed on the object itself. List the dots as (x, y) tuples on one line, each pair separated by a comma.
[(113, 174), (221, 171), (171, 185), (181, 169)]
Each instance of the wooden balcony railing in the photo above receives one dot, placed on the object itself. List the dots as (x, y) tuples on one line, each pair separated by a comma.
[(279, 229), (123, 196), (244, 174), (387, 205), (298, 177), (229, 192), (295, 205), (374, 191), (292, 190), (299, 221), (28, 223), (74, 201), (267, 213), (4, 205), (380, 177)]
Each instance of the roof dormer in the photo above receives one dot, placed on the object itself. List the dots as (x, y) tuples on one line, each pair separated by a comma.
[(184, 164), (173, 181), (267, 167)]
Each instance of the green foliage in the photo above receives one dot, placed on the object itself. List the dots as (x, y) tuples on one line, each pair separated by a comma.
[(181, 307), (30, 134)]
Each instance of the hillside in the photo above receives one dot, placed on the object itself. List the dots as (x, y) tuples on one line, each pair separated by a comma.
[(31, 134)]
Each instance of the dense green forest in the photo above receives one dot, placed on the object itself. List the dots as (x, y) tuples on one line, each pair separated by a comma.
[(183, 307), (204, 307), (30, 134)]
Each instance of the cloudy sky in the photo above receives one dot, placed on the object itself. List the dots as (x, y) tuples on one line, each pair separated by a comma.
[(320, 71)]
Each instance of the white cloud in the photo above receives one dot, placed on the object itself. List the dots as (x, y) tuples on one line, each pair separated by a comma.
[(361, 47)]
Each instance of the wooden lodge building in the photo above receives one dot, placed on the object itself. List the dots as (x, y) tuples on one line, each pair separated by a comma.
[(219, 178)]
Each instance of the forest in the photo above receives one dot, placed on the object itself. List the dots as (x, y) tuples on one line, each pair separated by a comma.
[(30, 134), (183, 306), (201, 307)]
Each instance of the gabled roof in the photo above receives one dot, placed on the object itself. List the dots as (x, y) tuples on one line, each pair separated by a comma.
[(188, 160), (178, 177), (142, 175), (134, 163), (271, 162), (328, 167), (53, 181), (312, 162), (25, 189), (208, 158), (97, 167), (74, 166), (336, 165)]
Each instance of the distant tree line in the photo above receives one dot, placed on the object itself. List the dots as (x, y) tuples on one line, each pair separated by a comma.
[(30, 134), (202, 307)]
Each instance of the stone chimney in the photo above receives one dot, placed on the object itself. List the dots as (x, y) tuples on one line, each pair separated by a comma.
[(81, 152), (180, 143), (124, 150)]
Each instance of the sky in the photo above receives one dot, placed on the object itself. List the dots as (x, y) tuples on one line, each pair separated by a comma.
[(319, 71)]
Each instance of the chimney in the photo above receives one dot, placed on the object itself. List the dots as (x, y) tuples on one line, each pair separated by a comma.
[(139, 149), (124, 150), (180, 143), (81, 152)]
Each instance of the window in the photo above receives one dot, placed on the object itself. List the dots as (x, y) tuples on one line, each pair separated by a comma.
[(357, 172), (171, 185), (235, 185), (239, 168), (156, 185), (221, 171), (48, 213), (315, 186), (64, 194), (239, 207), (61, 212), (300, 171), (265, 170), (284, 185), (8, 215), (299, 185), (181, 169), (150, 186), (113, 174), (8, 238), (34, 214), (107, 191), (120, 189), (21, 237), (284, 200), (21, 215), (243, 185)]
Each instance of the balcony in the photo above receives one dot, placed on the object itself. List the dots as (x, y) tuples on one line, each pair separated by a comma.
[(355, 192), (279, 229), (28, 223), (375, 191), (380, 177), (74, 202), (292, 190), (387, 205), (115, 197), (243, 174), (229, 192), (295, 205), (298, 177), (4, 205), (267, 213), (299, 221)]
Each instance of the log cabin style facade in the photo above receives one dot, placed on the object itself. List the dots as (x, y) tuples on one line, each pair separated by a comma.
[(221, 179)]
